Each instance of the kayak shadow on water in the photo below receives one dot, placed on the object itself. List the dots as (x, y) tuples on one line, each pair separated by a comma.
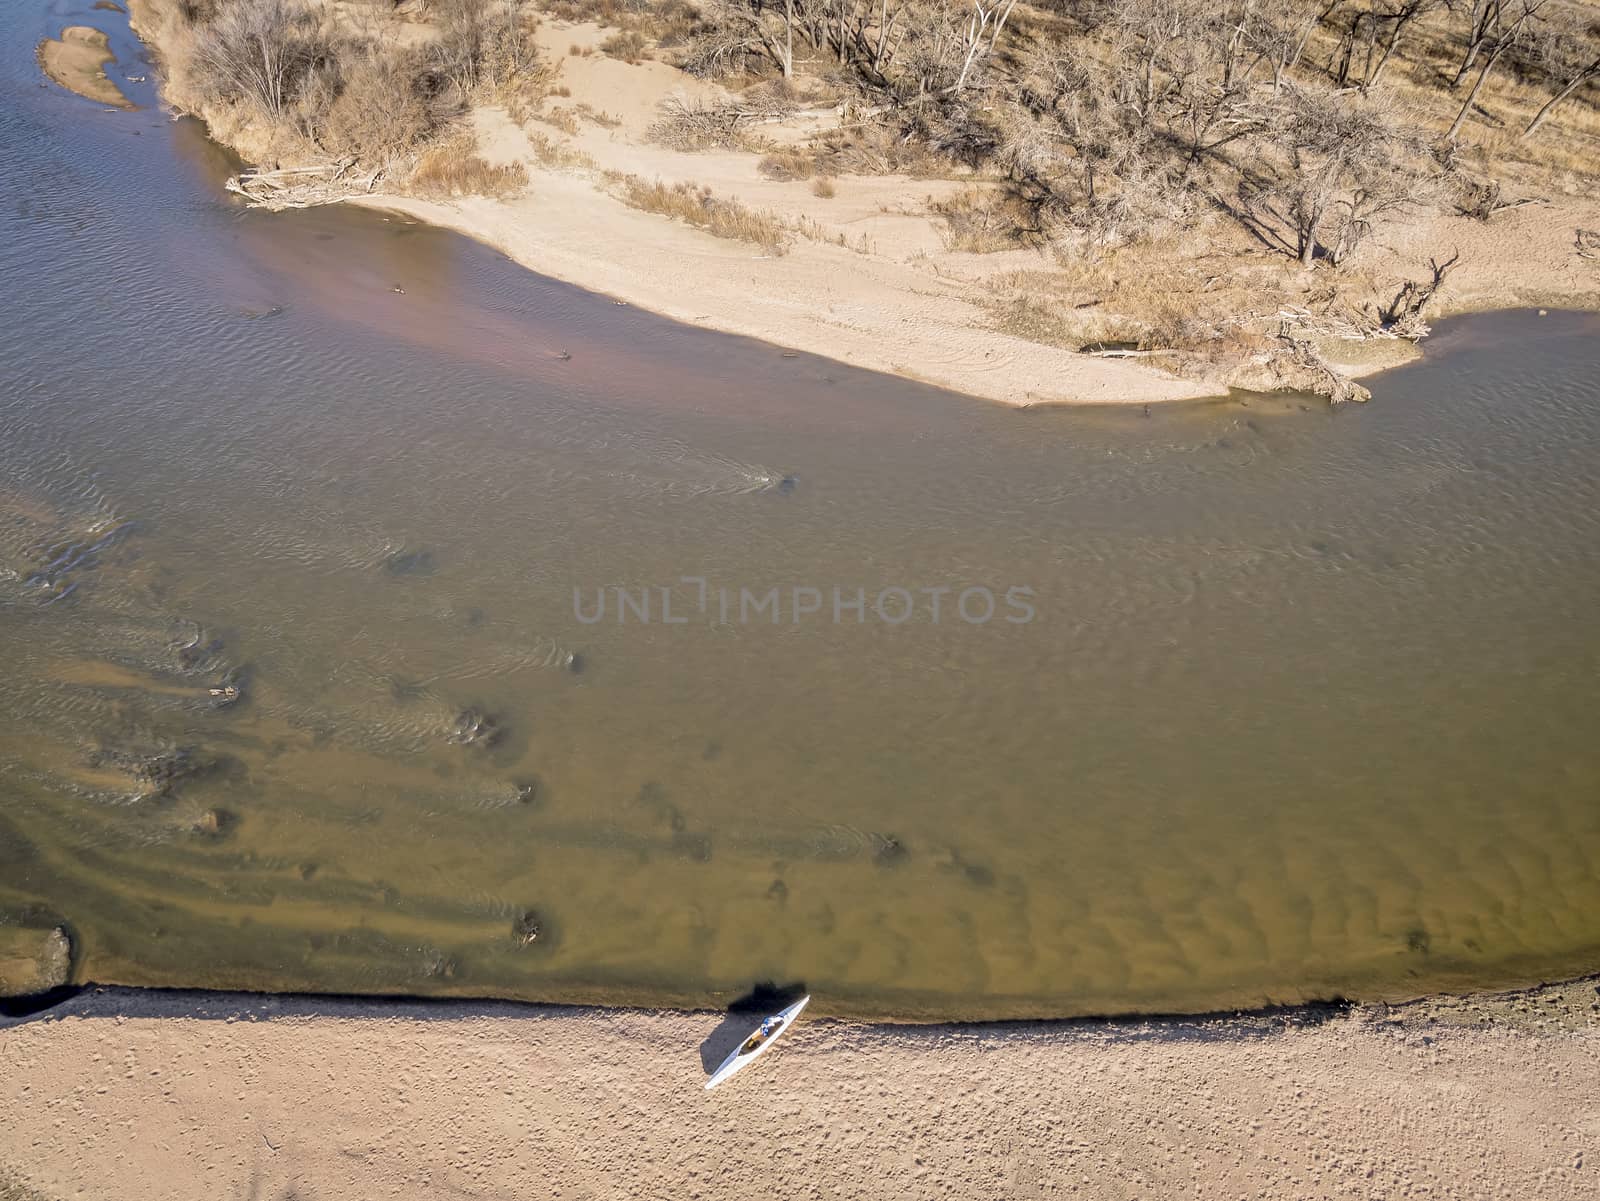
[(744, 1015)]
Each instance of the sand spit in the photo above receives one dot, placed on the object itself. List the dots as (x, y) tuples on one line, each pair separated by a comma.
[(77, 60), (192, 1095), (869, 279), (865, 270), (824, 302)]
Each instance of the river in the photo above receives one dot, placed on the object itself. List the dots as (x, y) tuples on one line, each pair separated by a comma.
[(305, 520)]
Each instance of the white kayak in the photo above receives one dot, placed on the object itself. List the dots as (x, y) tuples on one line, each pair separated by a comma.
[(756, 1045)]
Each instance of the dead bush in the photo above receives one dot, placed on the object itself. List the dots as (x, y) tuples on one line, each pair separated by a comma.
[(259, 53), (454, 168), (563, 119), (629, 46), (867, 147), (379, 112), (691, 125), (1329, 166), (788, 164), (698, 207), (983, 221), (481, 44)]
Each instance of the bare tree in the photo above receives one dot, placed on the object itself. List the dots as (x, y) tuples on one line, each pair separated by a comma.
[(1362, 30), (1399, 16), (1403, 315), (1278, 31), (1332, 164), (259, 51), (1569, 53), (982, 34), (1483, 26), (1515, 22), (1148, 36), (1081, 162), (743, 26)]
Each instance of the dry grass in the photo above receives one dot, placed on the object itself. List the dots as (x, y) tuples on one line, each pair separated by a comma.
[(867, 148), (788, 163), (667, 22), (823, 189), (453, 168), (523, 96), (1157, 296), (563, 119), (596, 117), (1563, 156), (629, 45), (699, 208), (984, 221), (558, 155)]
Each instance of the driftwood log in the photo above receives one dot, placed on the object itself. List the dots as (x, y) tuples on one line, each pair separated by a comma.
[(304, 187)]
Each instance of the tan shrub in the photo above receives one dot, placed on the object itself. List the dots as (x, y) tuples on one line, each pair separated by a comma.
[(453, 168), (628, 45), (788, 164), (378, 113), (698, 207)]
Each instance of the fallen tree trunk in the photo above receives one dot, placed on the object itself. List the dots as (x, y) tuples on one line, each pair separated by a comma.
[(304, 187)]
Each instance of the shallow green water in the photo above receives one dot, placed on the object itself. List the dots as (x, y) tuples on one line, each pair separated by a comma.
[(1306, 706)]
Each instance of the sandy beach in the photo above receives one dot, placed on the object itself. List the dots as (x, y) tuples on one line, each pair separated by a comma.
[(192, 1095), (895, 297), (868, 273)]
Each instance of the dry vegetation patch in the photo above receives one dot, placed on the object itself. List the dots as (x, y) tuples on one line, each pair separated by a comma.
[(698, 207), (289, 82), (452, 168), (697, 124), (985, 220), (1197, 176), (629, 45)]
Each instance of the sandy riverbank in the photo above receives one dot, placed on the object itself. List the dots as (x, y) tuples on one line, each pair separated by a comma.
[(186, 1095), (894, 296), (869, 276)]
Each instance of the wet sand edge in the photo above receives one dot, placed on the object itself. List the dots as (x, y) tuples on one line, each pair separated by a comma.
[(198, 1095)]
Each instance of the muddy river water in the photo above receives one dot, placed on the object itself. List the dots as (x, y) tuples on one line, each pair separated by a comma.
[(306, 526)]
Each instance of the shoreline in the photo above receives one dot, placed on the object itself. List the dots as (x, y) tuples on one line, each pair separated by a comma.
[(196, 1095), (868, 277), (743, 311), (1467, 1007)]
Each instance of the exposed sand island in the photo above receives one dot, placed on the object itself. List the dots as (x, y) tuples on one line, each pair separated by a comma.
[(608, 165), (77, 62), (184, 1095)]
